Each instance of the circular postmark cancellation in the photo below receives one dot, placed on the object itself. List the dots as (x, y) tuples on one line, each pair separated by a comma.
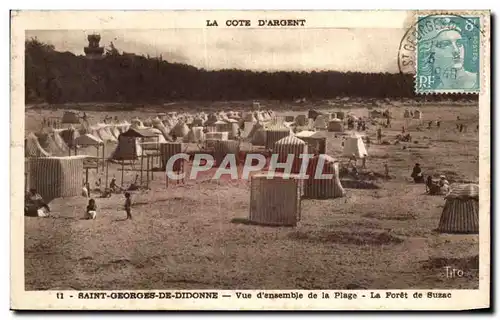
[(443, 52)]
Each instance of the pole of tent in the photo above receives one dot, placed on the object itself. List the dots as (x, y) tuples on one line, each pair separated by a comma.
[(122, 173), (103, 147), (97, 151), (147, 171), (107, 169), (87, 177), (166, 179), (151, 167), (142, 156)]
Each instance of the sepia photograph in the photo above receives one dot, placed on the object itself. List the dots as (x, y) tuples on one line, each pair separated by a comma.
[(267, 153)]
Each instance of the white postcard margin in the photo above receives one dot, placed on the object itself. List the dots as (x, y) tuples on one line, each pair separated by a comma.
[(48, 300)]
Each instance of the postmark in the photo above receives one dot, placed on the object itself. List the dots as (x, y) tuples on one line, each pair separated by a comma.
[(444, 54)]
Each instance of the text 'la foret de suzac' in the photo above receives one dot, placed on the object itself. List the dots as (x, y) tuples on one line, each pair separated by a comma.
[(258, 23)]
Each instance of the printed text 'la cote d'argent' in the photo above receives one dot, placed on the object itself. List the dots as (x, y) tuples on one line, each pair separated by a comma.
[(257, 23)]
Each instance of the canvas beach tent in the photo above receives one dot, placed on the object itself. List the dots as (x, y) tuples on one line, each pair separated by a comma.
[(59, 141), (317, 188), (181, 130), (275, 133), (461, 210), (257, 135), (32, 147), (105, 133), (247, 129), (56, 177), (88, 140), (258, 116), (113, 129), (129, 147), (195, 135), (249, 117), (301, 120), (164, 130), (197, 121), (153, 141), (417, 114), (69, 135), (354, 145), (70, 117), (148, 122), (316, 141), (48, 143), (136, 122), (211, 119), (290, 145), (335, 125)]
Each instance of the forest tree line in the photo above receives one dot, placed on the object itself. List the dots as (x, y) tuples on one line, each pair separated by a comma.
[(62, 77)]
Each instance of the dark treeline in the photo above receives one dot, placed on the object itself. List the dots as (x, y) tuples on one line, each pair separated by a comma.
[(61, 77)]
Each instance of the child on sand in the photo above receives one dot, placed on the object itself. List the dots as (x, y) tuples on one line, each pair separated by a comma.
[(128, 205), (91, 210)]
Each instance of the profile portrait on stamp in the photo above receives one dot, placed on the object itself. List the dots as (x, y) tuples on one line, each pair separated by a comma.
[(448, 54)]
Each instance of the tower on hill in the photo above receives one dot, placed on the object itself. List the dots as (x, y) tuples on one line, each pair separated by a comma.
[(93, 50)]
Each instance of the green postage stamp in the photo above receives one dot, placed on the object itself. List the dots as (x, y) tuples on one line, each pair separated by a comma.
[(448, 54)]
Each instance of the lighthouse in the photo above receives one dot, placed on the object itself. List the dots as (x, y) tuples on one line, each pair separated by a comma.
[(93, 50)]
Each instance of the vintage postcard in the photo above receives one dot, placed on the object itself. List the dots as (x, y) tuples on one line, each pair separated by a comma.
[(250, 160)]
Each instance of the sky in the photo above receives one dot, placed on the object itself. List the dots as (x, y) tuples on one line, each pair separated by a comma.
[(361, 50)]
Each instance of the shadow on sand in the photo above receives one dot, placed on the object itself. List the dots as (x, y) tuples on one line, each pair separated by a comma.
[(245, 221)]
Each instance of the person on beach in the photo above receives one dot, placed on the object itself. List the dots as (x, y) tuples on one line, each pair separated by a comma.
[(379, 135), (91, 212), (416, 174), (128, 205)]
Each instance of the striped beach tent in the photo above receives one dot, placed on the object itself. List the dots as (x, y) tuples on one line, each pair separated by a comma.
[(275, 133), (168, 150), (316, 186), (290, 145), (461, 210), (222, 148), (56, 177), (275, 201)]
